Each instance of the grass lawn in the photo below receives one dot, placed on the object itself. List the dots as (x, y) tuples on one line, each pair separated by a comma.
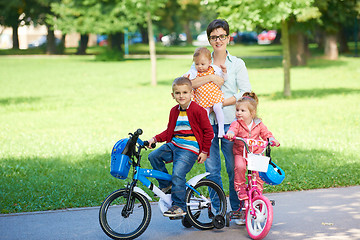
[(60, 117)]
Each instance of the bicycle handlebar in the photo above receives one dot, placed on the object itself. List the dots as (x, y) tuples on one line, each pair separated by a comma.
[(146, 144), (252, 142)]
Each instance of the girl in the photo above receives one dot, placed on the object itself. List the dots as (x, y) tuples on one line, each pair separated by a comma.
[(208, 95), (247, 125)]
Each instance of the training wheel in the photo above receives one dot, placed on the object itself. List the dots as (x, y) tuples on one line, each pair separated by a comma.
[(219, 221), (186, 223)]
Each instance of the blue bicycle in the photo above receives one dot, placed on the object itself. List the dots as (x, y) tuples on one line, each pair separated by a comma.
[(126, 213)]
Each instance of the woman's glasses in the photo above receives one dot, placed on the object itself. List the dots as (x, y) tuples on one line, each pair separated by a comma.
[(222, 37)]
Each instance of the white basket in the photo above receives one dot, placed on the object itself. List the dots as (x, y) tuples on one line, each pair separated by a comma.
[(258, 162)]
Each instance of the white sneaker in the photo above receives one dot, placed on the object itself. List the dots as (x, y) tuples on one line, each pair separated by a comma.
[(239, 221)]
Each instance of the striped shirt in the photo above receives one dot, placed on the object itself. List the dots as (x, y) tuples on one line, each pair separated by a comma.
[(183, 135)]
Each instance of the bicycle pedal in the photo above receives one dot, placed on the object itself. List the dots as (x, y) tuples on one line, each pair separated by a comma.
[(235, 214), (176, 218), (272, 202)]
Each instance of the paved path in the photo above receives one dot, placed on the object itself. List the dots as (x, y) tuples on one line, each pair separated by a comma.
[(317, 214)]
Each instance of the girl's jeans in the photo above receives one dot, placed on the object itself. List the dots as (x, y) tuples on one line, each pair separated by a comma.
[(240, 177), (213, 165), (183, 160)]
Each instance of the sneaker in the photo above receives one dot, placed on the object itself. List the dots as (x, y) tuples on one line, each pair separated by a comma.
[(240, 221), (174, 211)]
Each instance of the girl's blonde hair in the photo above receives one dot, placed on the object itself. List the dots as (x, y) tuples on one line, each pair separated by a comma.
[(251, 100)]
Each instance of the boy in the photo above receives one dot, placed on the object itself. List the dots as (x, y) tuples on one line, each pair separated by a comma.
[(188, 138)]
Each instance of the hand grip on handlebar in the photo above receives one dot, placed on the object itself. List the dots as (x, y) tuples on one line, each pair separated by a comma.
[(226, 137), (146, 144)]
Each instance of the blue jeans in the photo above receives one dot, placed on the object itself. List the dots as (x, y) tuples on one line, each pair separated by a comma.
[(213, 165), (183, 161)]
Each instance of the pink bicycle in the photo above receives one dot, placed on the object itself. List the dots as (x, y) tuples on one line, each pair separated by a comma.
[(258, 209)]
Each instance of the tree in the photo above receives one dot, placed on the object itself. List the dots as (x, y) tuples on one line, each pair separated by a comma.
[(335, 14), (178, 16), (248, 14), (109, 17), (11, 15)]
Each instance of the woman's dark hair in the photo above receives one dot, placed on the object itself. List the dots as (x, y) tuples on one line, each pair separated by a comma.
[(217, 23)]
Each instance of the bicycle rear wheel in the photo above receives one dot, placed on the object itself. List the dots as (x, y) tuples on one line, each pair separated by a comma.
[(201, 216), (119, 225), (258, 226)]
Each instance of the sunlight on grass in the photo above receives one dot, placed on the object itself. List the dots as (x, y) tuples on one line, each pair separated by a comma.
[(60, 116)]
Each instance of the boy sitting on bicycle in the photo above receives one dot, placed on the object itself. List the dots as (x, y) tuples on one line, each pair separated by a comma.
[(188, 138)]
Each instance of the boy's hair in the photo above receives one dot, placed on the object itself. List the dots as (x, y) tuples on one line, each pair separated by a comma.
[(202, 51), (252, 101), (217, 23), (181, 81)]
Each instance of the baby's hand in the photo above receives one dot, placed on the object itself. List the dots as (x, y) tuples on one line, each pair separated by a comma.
[(230, 136), (223, 68), (186, 75)]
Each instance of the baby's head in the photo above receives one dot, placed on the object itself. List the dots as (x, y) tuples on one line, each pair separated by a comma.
[(250, 101), (202, 59)]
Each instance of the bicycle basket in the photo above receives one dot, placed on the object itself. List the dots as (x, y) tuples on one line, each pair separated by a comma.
[(257, 162), (120, 163), (274, 175)]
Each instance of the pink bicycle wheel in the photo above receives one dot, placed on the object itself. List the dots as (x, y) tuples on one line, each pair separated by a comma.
[(258, 226)]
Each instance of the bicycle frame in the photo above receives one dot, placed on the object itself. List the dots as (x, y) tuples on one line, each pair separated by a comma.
[(252, 185), (142, 175)]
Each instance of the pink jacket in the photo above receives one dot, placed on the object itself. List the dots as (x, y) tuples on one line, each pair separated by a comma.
[(257, 131)]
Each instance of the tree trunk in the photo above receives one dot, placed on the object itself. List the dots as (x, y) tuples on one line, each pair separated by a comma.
[(116, 41), (84, 39), (343, 44), (331, 49), (286, 57), (61, 48), (144, 35), (50, 41), (151, 47), (15, 36), (189, 38), (297, 49), (306, 47), (319, 39)]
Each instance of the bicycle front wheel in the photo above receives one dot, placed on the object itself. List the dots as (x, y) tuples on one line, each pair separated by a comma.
[(199, 213), (258, 226), (119, 224)]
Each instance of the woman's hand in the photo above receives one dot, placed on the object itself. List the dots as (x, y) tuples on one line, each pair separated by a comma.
[(199, 81)]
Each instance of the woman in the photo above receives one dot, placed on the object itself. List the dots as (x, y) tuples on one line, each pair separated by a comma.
[(233, 88)]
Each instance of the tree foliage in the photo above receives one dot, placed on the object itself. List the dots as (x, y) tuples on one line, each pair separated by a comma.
[(101, 16), (248, 14)]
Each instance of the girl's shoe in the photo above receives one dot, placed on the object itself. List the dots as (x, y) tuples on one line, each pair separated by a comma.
[(240, 221)]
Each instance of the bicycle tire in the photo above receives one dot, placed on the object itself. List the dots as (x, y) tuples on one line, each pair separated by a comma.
[(258, 227), (202, 218), (117, 226)]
